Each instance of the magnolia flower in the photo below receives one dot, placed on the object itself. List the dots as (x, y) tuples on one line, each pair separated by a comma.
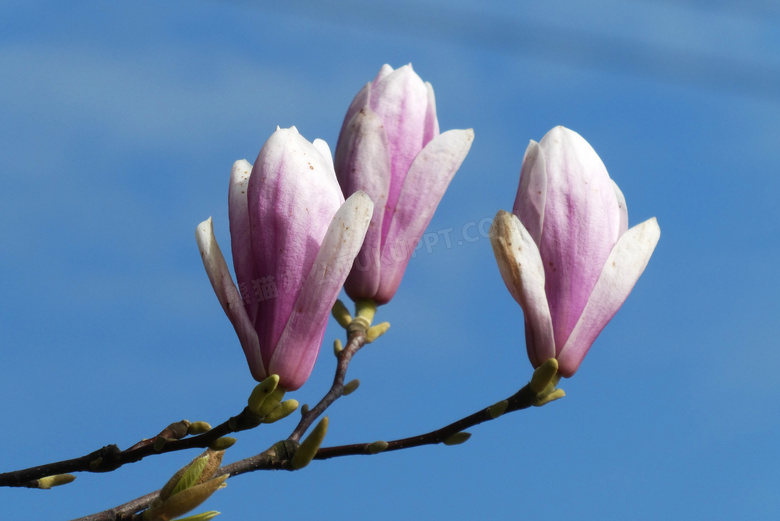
[(294, 240), (390, 147), (566, 253)]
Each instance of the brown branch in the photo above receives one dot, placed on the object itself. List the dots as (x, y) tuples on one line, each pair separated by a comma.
[(523, 399), (279, 456), (110, 458)]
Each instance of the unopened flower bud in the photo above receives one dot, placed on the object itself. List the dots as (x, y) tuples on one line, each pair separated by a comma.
[(390, 146), (566, 253), (315, 241)]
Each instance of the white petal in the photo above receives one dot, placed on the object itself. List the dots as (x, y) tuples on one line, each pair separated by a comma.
[(228, 295), (521, 268), (322, 147), (623, 268), (622, 207), (532, 191)]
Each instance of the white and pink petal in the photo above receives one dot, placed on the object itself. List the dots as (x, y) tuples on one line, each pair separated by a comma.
[(581, 225), (293, 196), (229, 297), (522, 270), (532, 192), (428, 179), (298, 346), (619, 274), (363, 163)]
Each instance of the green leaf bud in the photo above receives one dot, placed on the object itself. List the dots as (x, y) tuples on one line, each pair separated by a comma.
[(546, 398), (341, 314), (191, 475), (377, 447), (225, 442), (543, 375), (284, 409), (271, 402), (261, 392), (198, 428), (457, 438), (55, 481), (497, 409), (205, 464), (309, 447), (376, 331), (350, 387), (203, 516), (184, 501)]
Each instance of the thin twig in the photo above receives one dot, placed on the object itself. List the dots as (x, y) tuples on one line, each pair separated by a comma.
[(356, 338), (523, 399), (110, 458)]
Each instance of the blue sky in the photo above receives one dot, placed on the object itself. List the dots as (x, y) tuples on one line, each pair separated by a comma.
[(120, 123)]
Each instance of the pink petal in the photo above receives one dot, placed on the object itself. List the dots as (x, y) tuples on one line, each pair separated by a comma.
[(521, 268), (400, 99), (363, 163), (581, 225), (622, 269), (428, 178), (299, 344), (360, 101), (229, 298), (293, 196)]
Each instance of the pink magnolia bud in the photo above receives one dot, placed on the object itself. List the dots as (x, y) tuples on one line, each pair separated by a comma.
[(294, 240), (565, 253), (390, 147)]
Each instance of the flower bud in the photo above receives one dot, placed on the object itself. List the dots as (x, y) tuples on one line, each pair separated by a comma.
[(294, 239), (390, 147), (566, 253)]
